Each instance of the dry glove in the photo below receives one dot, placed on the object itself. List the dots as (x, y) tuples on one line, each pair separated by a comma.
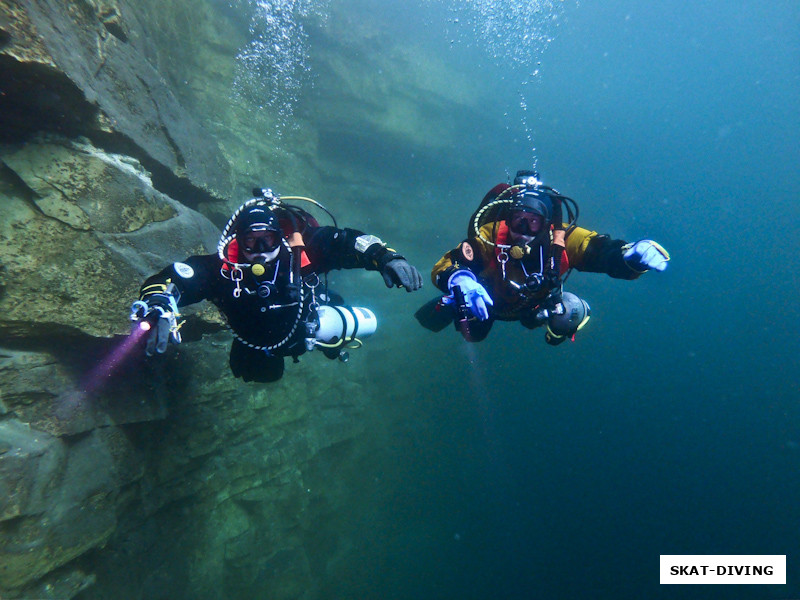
[(398, 272), (157, 315), (475, 295), (645, 255)]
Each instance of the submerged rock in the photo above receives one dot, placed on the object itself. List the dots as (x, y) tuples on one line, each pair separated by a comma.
[(90, 79), (85, 227)]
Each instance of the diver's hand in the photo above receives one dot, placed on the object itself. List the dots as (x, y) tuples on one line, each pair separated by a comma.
[(158, 337), (645, 255), (475, 295), (157, 316), (398, 272)]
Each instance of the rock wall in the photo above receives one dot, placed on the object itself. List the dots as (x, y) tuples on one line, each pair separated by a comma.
[(120, 476)]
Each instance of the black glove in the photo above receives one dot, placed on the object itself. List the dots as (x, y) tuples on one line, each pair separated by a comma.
[(157, 315), (158, 337), (398, 272)]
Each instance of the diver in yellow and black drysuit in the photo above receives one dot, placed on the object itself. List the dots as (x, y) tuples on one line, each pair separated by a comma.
[(512, 265), (265, 280)]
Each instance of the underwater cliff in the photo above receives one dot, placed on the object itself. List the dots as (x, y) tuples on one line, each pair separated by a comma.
[(120, 151)]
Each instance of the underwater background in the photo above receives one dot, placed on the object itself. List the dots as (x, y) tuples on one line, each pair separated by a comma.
[(670, 426), (506, 469)]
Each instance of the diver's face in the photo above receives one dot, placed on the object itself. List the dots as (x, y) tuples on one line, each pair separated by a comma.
[(524, 226), (260, 246)]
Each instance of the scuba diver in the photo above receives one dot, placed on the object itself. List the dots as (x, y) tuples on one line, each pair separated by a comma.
[(518, 253), (265, 280)]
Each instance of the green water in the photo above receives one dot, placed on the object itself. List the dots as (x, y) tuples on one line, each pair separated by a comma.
[(512, 469), (671, 425)]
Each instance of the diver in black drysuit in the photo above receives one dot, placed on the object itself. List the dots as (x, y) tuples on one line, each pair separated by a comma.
[(257, 288)]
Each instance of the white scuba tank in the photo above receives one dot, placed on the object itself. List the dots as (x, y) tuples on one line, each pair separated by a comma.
[(337, 322)]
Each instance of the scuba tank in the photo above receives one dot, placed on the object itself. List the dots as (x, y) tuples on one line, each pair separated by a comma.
[(334, 328), (339, 325), (564, 313)]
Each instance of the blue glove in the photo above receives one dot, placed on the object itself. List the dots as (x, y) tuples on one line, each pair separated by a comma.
[(475, 294), (645, 255)]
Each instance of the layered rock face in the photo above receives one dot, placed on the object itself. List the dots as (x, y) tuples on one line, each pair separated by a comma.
[(122, 476)]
